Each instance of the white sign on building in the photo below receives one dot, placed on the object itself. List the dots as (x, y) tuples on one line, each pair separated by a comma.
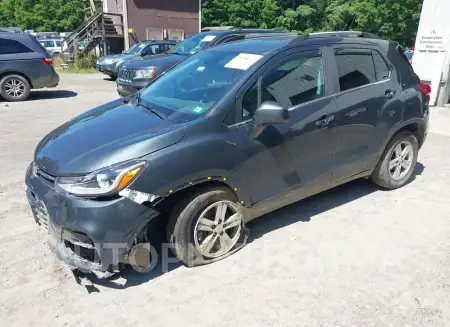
[(431, 58), (433, 40)]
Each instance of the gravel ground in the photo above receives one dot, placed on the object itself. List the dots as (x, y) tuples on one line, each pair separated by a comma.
[(352, 256)]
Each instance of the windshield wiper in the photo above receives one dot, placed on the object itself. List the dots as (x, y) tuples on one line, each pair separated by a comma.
[(152, 110)]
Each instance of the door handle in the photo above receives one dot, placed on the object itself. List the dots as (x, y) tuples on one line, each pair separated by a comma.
[(324, 121), (389, 94)]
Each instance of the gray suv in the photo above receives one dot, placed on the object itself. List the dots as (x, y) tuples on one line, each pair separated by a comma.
[(24, 65), (231, 133)]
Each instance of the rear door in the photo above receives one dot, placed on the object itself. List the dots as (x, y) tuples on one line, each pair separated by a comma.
[(369, 105), (299, 153)]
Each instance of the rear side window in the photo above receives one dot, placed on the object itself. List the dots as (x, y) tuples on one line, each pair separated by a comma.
[(381, 68), (8, 46), (356, 68)]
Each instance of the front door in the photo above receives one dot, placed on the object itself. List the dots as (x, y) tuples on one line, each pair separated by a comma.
[(299, 153)]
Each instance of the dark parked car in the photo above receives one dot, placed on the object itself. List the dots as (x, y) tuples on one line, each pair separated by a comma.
[(24, 65), (109, 65), (228, 135), (135, 75)]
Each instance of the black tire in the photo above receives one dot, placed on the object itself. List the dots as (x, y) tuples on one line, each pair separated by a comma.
[(382, 175), (113, 77), (5, 83), (57, 55), (182, 221)]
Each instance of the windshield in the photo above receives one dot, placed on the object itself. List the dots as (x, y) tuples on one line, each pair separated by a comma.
[(135, 49), (193, 44), (198, 83)]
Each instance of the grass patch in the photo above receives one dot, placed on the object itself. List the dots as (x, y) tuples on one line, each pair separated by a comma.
[(81, 65), (76, 70)]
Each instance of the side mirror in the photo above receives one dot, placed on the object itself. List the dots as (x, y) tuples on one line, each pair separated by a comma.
[(268, 113)]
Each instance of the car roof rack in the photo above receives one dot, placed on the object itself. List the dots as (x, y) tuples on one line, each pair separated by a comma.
[(349, 34), (217, 28), (270, 35), (345, 34)]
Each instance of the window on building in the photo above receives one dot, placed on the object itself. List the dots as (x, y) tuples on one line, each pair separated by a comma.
[(355, 69), (381, 68), (8, 46)]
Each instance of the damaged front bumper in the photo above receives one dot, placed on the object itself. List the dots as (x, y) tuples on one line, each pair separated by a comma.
[(91, 235)]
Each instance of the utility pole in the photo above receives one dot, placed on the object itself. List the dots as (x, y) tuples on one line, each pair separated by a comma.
[(126, 36)]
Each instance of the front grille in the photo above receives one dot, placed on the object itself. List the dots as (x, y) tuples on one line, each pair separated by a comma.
[(126, 75), (40, 212)]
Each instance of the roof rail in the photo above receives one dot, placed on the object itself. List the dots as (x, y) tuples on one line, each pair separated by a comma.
[(345, 34), (217, 28), (269, 35)]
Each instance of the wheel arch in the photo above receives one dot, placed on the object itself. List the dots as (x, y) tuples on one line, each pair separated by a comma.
[(414, 126), (164, 204)]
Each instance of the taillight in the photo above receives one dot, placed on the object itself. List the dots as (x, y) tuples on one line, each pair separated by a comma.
[(48, 62), (426, 88)]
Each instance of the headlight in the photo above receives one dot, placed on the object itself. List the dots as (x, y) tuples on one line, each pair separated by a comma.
[(109, 61), (106, 181), (145, 73)]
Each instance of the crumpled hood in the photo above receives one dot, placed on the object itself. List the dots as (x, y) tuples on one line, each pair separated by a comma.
[(109, 134)]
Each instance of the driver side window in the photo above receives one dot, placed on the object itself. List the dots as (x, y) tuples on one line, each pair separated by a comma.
[(292, 83)]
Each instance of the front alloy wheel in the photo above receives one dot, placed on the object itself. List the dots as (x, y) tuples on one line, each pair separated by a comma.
[(218, 229), (206, 226)]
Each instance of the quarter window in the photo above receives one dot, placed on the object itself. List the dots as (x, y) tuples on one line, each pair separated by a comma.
[(355, 69), (381, 68), (12, 47), (250, 102)]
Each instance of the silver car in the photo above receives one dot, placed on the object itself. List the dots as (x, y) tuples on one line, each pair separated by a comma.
[(53, 47)]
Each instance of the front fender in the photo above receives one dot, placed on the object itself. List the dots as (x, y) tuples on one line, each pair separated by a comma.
[(201, 157)]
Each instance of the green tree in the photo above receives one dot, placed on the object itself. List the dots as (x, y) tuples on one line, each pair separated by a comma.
[(42, 15), (391, 19)]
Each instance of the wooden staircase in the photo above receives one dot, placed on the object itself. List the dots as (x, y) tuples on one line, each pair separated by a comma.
[(96, 29)]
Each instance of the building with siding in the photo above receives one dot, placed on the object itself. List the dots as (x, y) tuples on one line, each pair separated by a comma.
[(157, 19)]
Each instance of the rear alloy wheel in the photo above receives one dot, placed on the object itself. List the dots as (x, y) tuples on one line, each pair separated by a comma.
[(14, 88), (207, 226), (397, 162), (401, 160)]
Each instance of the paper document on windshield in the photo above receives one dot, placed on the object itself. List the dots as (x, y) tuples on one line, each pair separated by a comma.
[(208, 38), (243, 61)]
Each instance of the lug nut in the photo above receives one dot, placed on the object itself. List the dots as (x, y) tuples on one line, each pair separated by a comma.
[(213, 226), (221, 233), (214, 234), (224, 225), (220, 221)]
